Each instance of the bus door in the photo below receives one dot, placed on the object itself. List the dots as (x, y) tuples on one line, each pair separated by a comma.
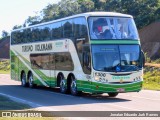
[(86, 59), (86, 63)]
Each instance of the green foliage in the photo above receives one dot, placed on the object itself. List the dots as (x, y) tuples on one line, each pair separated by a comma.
[(4, 66), (17, 27), (143, 11), (147, 58), (5, 34), (151, 78)]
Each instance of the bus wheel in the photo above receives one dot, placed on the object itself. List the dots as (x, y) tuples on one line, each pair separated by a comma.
[(23, 80), (30, 79), (112, 94), (63, 85), (73, 87)]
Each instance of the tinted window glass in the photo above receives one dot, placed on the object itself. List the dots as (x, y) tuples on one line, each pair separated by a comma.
[(35, 61), (45, 61), (60, 61), (45, 32), (67, 29), (36, 34), (64, 61), (18, 37), (27, 37), (52, 62), (56, 30), (112, 28), (80, 28)]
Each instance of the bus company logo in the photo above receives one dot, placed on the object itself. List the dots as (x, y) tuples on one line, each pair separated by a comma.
[(118, 68), (6, 114)]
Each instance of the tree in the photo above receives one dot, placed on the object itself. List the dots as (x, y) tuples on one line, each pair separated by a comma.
[(99, 5), (144, 11), (32, 20), (50, 12), (5, 34), (17, 27), (86, 5)]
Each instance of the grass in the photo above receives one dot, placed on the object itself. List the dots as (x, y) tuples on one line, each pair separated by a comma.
[(151, 78), (4, 72), (4, 66)]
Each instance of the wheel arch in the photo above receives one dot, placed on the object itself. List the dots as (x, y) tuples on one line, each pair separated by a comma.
[(22, 74), (29, 72), (69, 79), (58, 80)]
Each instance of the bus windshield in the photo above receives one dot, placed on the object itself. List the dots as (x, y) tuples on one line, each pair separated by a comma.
[(112, 28), (116, 58)]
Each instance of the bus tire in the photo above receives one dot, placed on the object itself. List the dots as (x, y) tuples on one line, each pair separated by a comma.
[(112, 94), (30, 80), (23, 80), (63, 84), (73, 87)]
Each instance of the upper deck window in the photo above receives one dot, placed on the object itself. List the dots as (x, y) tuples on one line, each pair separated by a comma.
[(112, 28)]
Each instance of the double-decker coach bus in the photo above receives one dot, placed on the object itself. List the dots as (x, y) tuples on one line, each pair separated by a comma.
[(96, 52)]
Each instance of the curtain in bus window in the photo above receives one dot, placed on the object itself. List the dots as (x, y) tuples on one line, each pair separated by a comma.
[(45, 61), (52, 61), (64, 61), (35, 61)]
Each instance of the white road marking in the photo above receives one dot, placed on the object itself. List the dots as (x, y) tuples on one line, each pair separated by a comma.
[(38, 106)]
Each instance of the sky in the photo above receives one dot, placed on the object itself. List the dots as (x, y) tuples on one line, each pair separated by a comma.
[(15, 12)]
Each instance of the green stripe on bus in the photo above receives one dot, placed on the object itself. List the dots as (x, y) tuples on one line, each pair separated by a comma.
[(115, 42), (95, 87)]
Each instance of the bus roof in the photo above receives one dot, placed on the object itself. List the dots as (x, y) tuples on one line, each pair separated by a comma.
[(109, 14)]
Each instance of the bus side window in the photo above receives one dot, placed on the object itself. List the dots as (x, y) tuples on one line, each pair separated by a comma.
[(35, 61), (68, 29), (80, 28), (56, 30)]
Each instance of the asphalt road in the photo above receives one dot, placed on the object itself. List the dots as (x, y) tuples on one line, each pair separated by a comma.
[(49, 99)]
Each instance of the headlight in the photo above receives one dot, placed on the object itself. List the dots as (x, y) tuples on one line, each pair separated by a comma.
[(96, 78)]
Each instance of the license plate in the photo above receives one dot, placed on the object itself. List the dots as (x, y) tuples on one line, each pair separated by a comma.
[(120, 90)]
